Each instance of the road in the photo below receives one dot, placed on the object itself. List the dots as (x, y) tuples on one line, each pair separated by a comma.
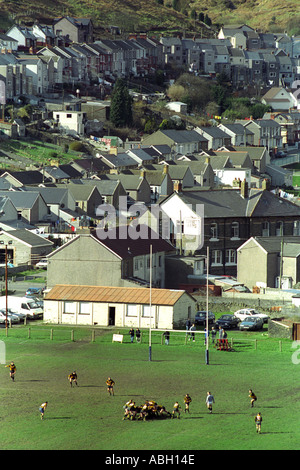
[(20, 287)]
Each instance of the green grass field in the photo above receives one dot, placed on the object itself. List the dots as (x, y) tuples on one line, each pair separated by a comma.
[(87, 418)]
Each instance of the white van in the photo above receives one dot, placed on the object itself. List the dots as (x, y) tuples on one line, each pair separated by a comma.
[(24, 305)]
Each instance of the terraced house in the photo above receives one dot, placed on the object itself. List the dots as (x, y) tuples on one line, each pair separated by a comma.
[(230, 218)]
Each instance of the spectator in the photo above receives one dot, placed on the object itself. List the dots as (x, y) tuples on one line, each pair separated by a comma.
[(213, 335), (131, 332), (167, 337), (192, 332), (138, 335)]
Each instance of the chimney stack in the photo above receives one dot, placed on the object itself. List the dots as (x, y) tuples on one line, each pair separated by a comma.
[(265, 184), (244, 189), (177, 187)]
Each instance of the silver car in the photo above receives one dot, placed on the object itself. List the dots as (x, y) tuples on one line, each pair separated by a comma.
[(11, 316)]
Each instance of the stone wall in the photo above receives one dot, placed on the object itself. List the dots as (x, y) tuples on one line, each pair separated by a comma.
[(277, 329)]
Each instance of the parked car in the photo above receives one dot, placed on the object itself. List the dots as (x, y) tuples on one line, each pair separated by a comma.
[(281, 154), (11, 317), (38, 301), (227, 321), (251, 323), (200, 317), (243, 313), (43, 263), (34, 291), (20, 315)]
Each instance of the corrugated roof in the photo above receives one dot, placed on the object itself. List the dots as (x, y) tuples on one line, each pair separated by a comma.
[(136, 295)]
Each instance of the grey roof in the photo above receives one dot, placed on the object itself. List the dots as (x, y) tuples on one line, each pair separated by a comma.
[(140, 154), (238, 129), (26, 177), (119, 160), (81, 192), (215, 132), (255, 153), (92, 164), (230, 203), (183, 136), (105, 187), (5, 37), (8, 59), (21, 199), (51, 195), (291, 245), (128, 181), (70, 171), (30, 238), (55, 172), (176, 171), (75, 21), (163, 149)]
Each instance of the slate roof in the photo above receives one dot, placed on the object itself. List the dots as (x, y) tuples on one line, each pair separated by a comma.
[(129, 247), (291, 245), (119, 160), (230, 203), (70, 171), (215, 132), (51, 195), (183, 136), (21, 199), (29, 238), (129, 181), (92, 164), (27, 177)]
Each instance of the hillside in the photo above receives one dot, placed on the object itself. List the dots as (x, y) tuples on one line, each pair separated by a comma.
[(266, 15), (158, 15)]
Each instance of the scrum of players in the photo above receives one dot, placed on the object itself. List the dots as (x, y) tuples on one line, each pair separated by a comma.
[(151, 410), (148, 410)]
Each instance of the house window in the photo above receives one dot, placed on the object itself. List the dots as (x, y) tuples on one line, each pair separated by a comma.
[(279, 228), (235, 230), (214, 231), (69, 307), (146, 311), (84, 308), (216, 258), (69, 116), (265, 232), (230, 256), (131, 310), (296, 228)]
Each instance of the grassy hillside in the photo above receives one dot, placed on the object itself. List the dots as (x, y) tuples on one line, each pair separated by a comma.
[(137, 15), (267, 15)]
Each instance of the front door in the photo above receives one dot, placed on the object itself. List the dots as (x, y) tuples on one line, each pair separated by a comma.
[(111, 315)]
